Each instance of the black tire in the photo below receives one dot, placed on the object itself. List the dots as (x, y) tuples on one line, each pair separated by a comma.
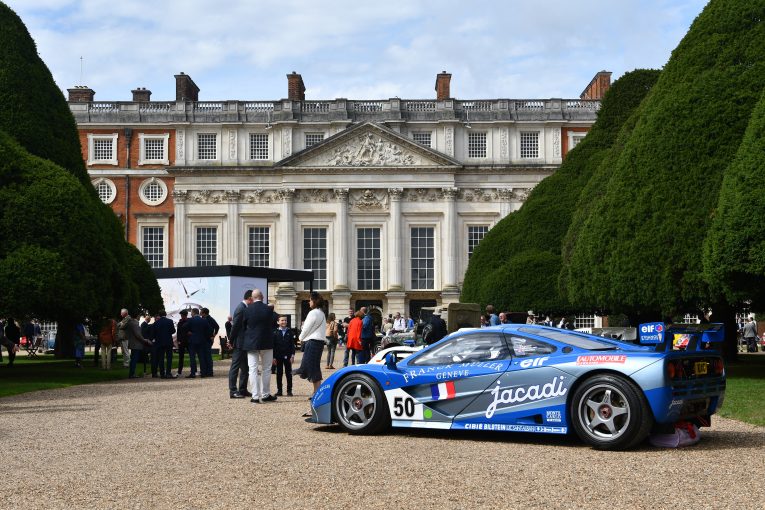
[(609, 412), (359, 405)]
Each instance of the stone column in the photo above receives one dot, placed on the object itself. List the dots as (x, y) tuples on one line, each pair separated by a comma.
[(505, 196), (341, 295), (450, 292), (179, 228), (285, 295), (396, 295), (231, 241)]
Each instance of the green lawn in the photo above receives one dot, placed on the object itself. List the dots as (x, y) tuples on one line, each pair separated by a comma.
[(46, 372), (745, 393)]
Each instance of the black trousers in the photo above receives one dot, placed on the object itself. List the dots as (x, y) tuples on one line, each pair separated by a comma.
[(283, 366), (239, 369), (181, 355), (162, 360)]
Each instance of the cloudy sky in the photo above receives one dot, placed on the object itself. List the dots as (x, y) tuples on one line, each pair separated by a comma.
[(242, 49)]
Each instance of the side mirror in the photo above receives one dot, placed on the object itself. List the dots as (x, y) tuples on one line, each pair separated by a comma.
[(390, 361)]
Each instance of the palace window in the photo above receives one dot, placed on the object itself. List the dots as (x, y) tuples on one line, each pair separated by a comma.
[(259, 241), (106, 190), (207, 146), (368, 258), (152, 191), (102, 149), (584, 321), (153, 245), (423, 258), (207, 246), (476, 145), (153, 149), (259, 146), (313, 139), (475, 234), (315, 254), (575, 139), (422, 137), (529, 144)]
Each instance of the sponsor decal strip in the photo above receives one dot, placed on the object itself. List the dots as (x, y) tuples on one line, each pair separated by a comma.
[(421, 424), (510, 428), (599, 359)]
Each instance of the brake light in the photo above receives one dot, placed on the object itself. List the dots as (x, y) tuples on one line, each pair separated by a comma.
[(675, 369), (719, 366)]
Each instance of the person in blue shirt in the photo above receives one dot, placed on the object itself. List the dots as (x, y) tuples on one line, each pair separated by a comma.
[(493, 318), (367, 336)]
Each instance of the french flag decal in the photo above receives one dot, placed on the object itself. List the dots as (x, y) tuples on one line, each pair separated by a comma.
[(442, 391)]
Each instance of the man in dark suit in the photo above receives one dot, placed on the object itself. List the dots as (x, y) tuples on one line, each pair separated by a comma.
[(259, 343), (162, 357), (284, 355), (200, 332), (238, 356)]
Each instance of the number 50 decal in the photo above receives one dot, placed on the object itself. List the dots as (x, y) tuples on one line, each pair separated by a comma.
[(403, 406)]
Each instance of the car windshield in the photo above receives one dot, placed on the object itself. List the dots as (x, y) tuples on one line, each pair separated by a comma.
[(572, 338)]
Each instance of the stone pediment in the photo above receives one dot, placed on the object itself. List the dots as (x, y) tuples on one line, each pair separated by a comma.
[(368, 145)]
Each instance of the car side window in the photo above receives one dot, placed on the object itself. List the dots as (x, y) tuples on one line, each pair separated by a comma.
[(527, 347), (466, 349)]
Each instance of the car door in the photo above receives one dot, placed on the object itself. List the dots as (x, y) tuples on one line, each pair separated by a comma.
[(529, 397), (432, 387)]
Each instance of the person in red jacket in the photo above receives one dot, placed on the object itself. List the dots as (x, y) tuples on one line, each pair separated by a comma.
[(353, 339)]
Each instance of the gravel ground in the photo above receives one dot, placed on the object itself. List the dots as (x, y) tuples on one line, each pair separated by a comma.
[(152, 443)]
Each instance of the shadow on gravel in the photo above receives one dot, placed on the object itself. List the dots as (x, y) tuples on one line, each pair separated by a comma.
[(46, 409), (112, 388), (730, 440)]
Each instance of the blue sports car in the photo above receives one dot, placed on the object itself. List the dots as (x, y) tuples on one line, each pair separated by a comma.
[(526, 378)]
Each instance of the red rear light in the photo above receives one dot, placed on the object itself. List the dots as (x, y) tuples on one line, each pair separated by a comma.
[(719, 366), (671, 370), (675, 369)]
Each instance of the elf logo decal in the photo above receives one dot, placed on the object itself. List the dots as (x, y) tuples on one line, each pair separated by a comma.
[(535, 362), (520, 394), (652, 333)]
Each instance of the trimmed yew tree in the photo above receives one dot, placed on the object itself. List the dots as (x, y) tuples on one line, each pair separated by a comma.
[(63, 255), (517, 264), (640, 249), (734, 255)]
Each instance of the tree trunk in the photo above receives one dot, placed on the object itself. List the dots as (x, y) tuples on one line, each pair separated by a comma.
[(64, 347)]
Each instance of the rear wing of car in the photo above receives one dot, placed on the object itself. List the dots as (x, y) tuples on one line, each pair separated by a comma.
[(681, 337)]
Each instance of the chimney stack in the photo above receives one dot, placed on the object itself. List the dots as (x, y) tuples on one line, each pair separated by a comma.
[(81, 94), (295, 87), (141, 95), (598, 86), (443, 79), (185, 88)]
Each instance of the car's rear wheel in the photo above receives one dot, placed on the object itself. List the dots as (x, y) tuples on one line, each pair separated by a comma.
[(359, 405), (610, 413)]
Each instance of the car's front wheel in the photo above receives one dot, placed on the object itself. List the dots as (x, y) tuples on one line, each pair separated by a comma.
[(610, 413), (359, 405)]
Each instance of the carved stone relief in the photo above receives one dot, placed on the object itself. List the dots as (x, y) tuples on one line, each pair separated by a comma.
[(503, 145), (396, 193), (367, 150), (179, 196), (478, 195), (179, 138), (368, 200), (424, 195), (232, 144), (449, 140), (287, 142), (556, 142)]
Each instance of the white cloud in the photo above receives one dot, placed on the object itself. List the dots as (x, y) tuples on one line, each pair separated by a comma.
[(346, 48)]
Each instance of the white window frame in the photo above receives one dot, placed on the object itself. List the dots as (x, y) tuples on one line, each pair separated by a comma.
[(573, 135), (217, 145), (540, 153), (269, 149), (142, 137), (109, 183), (92, 137), (270, 242), (356, 228), (423, 132), (219, 229), (313, 133), (467, 235), (487, 145), (328, 259), (145, 184), (436, 252), (154, 222)]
